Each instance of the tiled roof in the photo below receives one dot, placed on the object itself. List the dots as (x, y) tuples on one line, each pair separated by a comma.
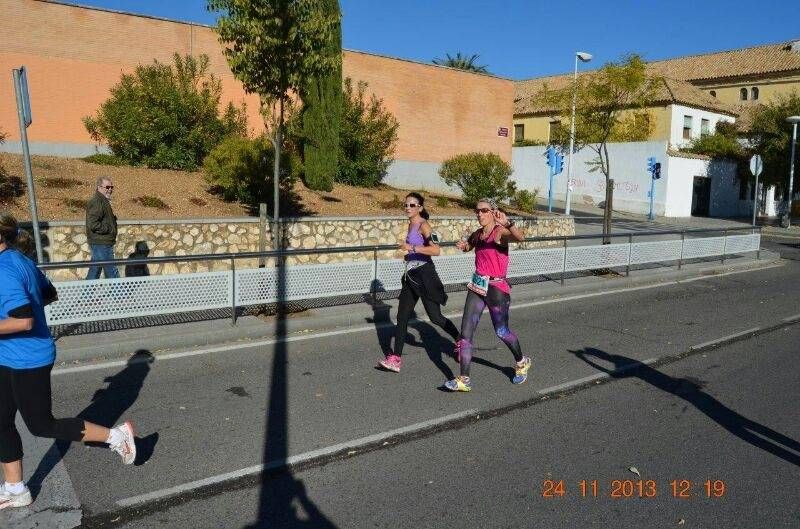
[(744, 62), (668, 91)]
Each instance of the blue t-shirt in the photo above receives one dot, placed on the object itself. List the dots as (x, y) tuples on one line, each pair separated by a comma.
[(21, 283)]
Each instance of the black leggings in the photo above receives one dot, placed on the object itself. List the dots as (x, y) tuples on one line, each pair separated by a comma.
[(499, 303), (28, 390), (408, 300)]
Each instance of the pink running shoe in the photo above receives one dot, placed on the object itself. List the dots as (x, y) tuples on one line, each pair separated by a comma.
[(392, 362)]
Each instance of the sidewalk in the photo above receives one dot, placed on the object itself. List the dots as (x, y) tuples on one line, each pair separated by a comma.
[(123, 343)]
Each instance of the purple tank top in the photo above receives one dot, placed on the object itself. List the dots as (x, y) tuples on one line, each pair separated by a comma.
[(415, 238)]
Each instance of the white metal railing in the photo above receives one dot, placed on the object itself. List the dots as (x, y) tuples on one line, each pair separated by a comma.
[(106, 299)]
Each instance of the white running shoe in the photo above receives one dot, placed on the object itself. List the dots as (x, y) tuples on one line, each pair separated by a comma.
[(14, 500), (127, 448)]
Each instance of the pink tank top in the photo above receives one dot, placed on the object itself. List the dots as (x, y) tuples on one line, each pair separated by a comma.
[(491, 259)]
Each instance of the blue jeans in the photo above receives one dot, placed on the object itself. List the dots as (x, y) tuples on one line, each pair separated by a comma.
[(102, 252)]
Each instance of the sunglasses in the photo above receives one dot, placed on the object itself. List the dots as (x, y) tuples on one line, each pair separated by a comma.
[(482, 210), (411, 205), (107, 187)]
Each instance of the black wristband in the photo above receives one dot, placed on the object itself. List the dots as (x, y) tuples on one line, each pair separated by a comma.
[(509, 225)]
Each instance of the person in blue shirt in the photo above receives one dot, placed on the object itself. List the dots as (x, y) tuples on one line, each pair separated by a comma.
[(27, 354)]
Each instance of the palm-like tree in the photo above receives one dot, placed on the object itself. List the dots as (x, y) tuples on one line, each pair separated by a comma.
[(462, 62)]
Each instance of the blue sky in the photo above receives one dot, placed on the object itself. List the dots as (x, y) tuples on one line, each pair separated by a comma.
[(519, 39)]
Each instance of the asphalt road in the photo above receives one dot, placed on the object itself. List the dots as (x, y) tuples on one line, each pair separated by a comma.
[(212, 414)]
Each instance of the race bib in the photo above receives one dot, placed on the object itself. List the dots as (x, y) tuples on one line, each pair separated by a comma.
[(479, 284)]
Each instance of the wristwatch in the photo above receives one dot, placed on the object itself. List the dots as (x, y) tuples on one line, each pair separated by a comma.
[(509, 225), (413, 248)]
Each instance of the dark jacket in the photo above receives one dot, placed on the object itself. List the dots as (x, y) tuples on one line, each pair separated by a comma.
[(101, 224)]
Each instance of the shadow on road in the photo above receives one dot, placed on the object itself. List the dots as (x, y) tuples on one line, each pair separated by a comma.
[(692, 392), (282, 495), (107, 407)]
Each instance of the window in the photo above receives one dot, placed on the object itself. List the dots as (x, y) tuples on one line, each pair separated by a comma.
[(713, 93), (519, 132), (704, 127), (743, 94), (754, 93), (687, 127), (555, 130)]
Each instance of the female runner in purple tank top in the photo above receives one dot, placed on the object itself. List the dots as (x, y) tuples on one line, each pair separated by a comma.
[(420, 280), (489, 287)]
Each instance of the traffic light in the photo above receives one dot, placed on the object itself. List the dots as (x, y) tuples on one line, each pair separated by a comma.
[(559, 163), (657, 171), (651, 164)]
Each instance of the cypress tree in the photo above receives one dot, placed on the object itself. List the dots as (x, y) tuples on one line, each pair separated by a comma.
[(322, 109)]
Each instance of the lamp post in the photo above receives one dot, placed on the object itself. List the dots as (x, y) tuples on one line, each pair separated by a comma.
[(584, 57), (794, 120)]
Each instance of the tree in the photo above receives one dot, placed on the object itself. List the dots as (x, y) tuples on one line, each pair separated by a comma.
[(368, 137), (771, 136), (612, 107), (274, 47), (321, 114), (166, 116), (462, 62)]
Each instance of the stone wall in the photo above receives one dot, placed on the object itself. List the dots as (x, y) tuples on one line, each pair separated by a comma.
[(66, 241)]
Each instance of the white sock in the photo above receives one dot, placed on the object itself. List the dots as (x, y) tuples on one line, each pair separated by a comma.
[(15, 488), (115, 437)]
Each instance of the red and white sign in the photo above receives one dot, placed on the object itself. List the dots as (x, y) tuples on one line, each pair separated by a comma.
[(502, 131)]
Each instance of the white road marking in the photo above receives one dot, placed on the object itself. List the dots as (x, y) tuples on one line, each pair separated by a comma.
[(367, 328), (355, 444)]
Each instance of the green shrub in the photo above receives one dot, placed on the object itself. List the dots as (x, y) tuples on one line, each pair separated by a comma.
[(529, 143), (479, 175), (442, 202), (525, 200), (395, 203), (149, 201), (367, 137), (240, 169), (166, 116), (104, 159)]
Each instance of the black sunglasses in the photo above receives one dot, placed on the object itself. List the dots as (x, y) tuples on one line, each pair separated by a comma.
[(107, 187), (411, 205), (482, 210)]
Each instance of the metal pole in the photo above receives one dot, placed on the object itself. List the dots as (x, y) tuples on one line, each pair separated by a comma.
[(564, 269), (572, 135), (550, 191), (724, 244), (680, 259), (758, 252), (26, 158), (233, 291), (652, 215), (630, 247), (755, 201), (791, 178)]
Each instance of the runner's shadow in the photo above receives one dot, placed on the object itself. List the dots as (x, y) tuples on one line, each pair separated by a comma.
[(107, 407), (692, 392)]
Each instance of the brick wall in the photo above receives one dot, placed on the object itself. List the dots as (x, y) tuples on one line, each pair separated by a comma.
[(74, 55)]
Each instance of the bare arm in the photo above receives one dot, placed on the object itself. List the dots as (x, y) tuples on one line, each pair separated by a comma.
[(508, 230), (15, 325)]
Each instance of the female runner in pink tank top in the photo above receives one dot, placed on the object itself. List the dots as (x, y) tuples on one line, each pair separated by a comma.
[(489, 287)]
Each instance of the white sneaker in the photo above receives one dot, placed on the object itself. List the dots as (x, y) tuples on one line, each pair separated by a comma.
[(127, 448), (14, 500)]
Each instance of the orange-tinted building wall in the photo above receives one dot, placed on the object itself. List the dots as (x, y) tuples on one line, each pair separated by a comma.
[(74, 55)]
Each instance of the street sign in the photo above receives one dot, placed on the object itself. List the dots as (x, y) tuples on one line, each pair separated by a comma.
[(756, 165), (26, 98), (502, 131)]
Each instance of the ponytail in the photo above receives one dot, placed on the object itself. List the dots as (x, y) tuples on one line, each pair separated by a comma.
[(13, 236)]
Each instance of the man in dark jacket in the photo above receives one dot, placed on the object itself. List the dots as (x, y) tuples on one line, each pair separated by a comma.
[(101, 229)]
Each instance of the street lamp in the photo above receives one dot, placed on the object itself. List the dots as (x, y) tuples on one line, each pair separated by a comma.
[(584, 57), (794, 120)]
